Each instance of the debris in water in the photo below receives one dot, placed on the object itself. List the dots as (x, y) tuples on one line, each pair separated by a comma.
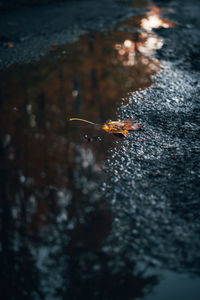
[(92, 139), (10, 45), (54, 46)]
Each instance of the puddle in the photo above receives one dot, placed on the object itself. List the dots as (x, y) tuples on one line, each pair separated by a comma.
[(51, 201), (86, 79)]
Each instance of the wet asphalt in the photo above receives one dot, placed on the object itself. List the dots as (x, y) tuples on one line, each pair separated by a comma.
[(33, 30), (155, 174)]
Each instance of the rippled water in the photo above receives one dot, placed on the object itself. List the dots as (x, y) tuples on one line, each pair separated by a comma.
[(95, 219)]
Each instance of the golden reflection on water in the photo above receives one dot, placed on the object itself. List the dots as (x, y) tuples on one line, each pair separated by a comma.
[(153, 20), (148, 21), (144, 46)]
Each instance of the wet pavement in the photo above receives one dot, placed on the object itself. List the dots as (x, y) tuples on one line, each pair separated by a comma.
[(110, 219)]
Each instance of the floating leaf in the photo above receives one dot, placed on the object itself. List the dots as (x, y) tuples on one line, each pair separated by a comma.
[(119, 128)]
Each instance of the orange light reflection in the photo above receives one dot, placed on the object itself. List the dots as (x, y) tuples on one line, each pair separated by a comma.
[(146, 45), (153, 20)]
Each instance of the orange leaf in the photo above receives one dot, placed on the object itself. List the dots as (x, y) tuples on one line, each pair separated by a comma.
[(119, 128)]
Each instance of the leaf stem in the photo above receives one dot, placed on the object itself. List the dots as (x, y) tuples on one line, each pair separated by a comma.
[(82, 120)]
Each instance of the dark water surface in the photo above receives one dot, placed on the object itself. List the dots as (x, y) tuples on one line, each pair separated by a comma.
[(67, 228)]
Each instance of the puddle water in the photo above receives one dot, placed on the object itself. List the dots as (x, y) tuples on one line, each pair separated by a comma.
[(52, 208)]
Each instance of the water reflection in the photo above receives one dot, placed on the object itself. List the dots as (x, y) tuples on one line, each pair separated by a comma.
[(148, 21), (143, 46), (154, 20), (54, 219)]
